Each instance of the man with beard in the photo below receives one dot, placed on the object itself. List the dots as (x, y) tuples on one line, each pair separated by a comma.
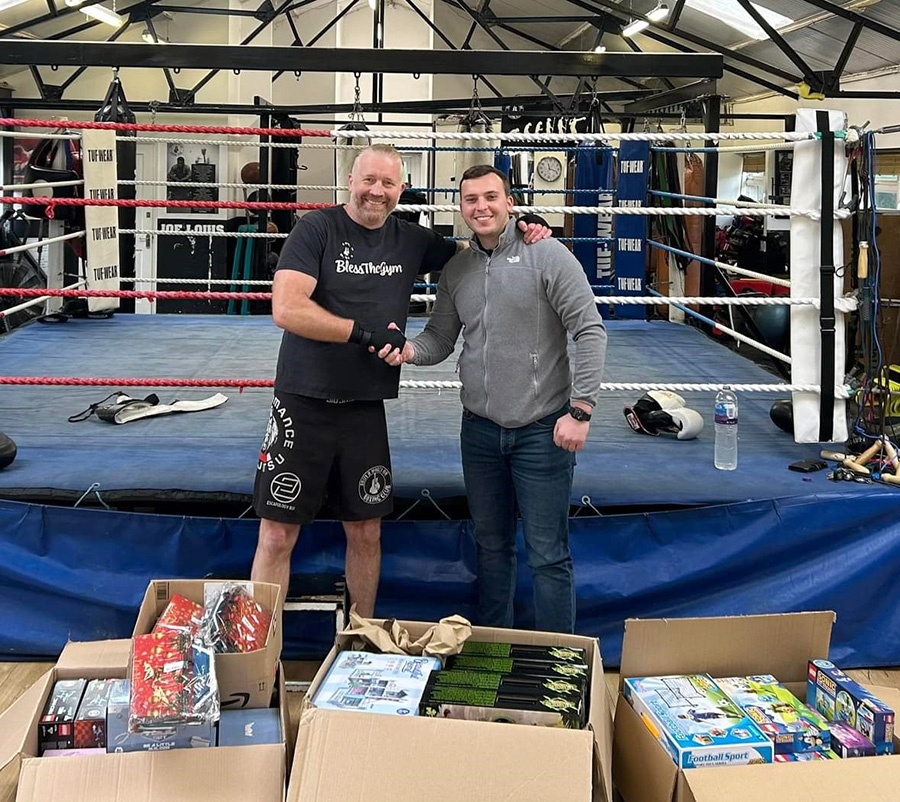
[(344, 275)]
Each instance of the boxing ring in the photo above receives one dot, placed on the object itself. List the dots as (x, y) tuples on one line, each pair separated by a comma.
[(90, 511)]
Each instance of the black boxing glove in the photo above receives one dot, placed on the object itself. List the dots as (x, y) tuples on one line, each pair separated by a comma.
[(377, 339)]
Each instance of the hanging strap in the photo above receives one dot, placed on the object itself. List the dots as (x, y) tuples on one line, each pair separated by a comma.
[(826, 281)]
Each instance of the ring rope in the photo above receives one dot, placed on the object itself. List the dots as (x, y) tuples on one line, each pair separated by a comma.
[(781, 282), (28, 246), (241, 143), (41, 185), (174, 129), (35, 135), (150, 295), (841, 391), (601, 211), (788, 136), (200, 281), (725, 201), (728, 149), (156, 232), (35, 301)]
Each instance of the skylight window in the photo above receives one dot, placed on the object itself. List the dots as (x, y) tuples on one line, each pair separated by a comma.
[(731, 13)]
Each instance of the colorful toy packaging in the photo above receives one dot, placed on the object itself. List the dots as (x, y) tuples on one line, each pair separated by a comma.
[(181, 614), (376, 683), (57, 725), (233, 621), (172, 682), (792, 726), (696, 722), (847, 742), (839, 698), (515, 651)]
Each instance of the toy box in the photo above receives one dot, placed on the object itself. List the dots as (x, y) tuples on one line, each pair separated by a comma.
[(507, 683), (249, 727), (517, 651), (57, 724), (848, 742), (804, 757), (792, 726), (375, 683), (696, 722), (536, 706), (839, 698), (507, 665), (90, 723)]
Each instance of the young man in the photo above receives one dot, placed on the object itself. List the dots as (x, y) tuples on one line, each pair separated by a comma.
[(343, 275), (524, 416)]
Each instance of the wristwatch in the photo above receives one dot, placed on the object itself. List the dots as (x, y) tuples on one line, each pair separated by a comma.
[(579, 414)]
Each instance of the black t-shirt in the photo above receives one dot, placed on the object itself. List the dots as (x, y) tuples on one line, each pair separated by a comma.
[(363, 275)]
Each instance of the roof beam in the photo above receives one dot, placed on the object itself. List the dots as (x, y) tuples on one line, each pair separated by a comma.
[(855, 16), (805, 70), (675, 97), (323, 59)]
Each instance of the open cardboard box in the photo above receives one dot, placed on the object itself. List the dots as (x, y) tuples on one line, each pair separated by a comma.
[(726, 647), (215, 774), (245, 680), (343, 755)]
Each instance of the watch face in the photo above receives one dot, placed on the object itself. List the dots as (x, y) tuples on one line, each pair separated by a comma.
[(549, 168)]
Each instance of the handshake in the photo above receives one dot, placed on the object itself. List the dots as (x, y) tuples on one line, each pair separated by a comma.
[(388, 344)]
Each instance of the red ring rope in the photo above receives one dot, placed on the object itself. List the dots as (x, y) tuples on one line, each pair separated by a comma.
[(50, 203), (37, 292), (134, 382), (173, 129)]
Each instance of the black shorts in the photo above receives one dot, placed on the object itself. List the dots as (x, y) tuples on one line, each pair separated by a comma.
[(317, 450)]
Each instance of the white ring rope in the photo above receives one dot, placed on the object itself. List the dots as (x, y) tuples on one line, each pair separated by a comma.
[(840, 391), (41, 185), (847, 304), (235, 143), (29, 135), (39, 300), (644, 211), (233, 185), (787, 136), (199, 281), (156, 232), (29, 246)]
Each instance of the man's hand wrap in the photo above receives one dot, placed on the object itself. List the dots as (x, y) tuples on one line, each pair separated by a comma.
[(377, 339)]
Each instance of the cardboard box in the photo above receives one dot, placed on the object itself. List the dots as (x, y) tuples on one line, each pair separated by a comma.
[(407, 759), (725, 647), (245, 680), (194, 775)]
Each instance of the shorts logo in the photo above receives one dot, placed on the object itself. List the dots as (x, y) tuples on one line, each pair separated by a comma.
[(279, 437), (285, 488), (375, 485)]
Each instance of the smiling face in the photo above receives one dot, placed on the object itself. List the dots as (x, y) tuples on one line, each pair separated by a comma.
[(375, 187), (485, 207)]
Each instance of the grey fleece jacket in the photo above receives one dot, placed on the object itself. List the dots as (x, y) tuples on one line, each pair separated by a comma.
[(515, 307)]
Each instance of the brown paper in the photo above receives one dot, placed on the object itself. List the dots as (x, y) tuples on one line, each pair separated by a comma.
[(445, 637)]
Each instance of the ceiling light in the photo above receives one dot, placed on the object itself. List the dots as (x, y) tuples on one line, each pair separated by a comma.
[(659, 13), (635, 26), (373, 4), (5, 4), (600, 49), (74, 3), (732, 14), (104, 14)]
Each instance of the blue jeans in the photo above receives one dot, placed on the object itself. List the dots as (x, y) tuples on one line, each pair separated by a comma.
[(506, 469)]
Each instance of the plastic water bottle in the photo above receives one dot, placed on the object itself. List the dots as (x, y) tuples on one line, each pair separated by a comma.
[(726, 429)]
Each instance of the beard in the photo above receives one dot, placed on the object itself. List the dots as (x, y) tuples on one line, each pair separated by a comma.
[(371, 213)]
